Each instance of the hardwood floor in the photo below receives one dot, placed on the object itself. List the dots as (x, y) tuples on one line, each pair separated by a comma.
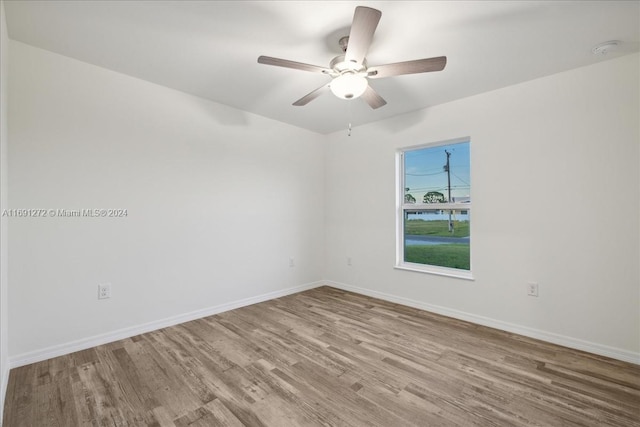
[(325, 357)]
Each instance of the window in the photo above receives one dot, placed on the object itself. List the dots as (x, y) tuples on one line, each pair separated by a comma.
[(434, 208)]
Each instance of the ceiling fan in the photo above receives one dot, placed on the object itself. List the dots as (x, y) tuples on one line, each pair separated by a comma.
[(350, 71)]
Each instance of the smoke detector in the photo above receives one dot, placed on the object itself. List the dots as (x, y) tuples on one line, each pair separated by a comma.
[(606, 47)]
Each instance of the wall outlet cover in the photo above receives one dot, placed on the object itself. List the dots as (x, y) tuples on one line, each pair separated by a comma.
[(104, 290)]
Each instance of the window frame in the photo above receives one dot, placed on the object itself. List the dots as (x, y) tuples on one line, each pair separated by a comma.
[(402, 207)]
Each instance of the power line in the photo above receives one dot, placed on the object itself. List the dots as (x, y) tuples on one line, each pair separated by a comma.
[(424, 174), (437, 188), (460, 178)]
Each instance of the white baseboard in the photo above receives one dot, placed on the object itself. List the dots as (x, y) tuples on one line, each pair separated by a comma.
[(3, 390), (575, 343), (85, 343)]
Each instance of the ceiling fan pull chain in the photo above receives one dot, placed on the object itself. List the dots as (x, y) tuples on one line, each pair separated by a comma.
[(350, 117)]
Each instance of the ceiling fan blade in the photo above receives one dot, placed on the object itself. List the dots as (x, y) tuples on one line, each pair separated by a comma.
[(268, 60), (408, 67), (311, 96), (365, 21), (372, 98)]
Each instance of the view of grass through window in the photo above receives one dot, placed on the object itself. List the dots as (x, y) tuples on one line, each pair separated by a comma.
[(440, 236)]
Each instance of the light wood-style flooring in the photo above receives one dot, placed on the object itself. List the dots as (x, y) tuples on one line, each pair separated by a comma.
[(325, 357)]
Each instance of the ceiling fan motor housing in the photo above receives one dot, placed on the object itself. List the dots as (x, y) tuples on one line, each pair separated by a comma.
[(340, 65)]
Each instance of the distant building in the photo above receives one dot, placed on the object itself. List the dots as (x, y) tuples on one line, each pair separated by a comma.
[(461, 199)]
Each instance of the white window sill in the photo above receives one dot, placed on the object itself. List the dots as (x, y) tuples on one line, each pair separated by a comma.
[(440, 271)]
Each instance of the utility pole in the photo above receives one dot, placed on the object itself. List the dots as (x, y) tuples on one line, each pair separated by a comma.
[(448, 169)]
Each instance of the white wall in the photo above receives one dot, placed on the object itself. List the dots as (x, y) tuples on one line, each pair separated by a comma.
[(218, 200), (4, 172), (555, 189)]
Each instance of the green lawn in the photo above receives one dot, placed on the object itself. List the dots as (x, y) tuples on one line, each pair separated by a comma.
[(436, 228), (448, 255)]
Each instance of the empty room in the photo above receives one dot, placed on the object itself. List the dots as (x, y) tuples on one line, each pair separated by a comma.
[(319, 213)]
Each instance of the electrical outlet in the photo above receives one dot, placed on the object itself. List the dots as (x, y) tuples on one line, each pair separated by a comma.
[(532, 289), (349, 260), (291, 262), (104, 290)]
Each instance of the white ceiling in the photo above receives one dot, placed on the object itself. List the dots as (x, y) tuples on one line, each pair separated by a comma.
[(210, 48)]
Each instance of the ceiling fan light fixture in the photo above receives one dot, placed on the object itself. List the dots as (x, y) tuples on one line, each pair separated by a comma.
[(349, 86)]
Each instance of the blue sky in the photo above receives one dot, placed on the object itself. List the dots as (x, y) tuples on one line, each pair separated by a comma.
[(424, 170)]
